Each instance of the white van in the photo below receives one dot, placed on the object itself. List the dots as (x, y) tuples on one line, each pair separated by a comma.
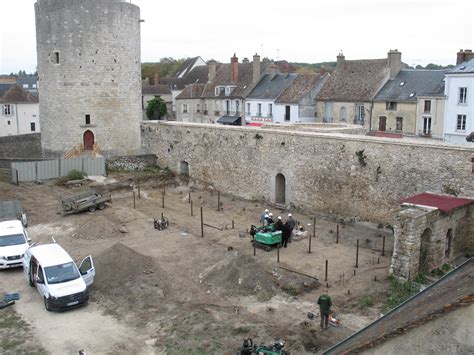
[(13, 243), (59, 281)]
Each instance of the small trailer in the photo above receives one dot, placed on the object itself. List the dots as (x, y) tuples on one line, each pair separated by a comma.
[(86, 201), (11, 210)]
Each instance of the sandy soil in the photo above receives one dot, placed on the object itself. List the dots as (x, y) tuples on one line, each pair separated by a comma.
[(174, 292)]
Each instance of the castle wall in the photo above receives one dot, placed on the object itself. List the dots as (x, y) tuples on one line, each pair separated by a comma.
[(89, 64)]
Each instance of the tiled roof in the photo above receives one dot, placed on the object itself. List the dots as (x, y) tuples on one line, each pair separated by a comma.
[(411, 83), (16, 94), (191, 91), (299, 88), (4, 88), (465, 67), (244, 84), (270, 86), (199, 75), (155, 89), (185, 67), (444, 203), (355, 80)]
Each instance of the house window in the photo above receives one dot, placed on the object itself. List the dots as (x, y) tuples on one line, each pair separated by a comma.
[(216, 91), (198, 108), (9, 123), (56, 57), (7, 110), (248, 108), (287, 113), (33, 126), (227, 107), (34, 86), (391, 106), (427, 106), (343, 114), (205, 108), (360, 113), (399, 124), (426, 126), (237, 107), (259, 110), (185, 108), (25, 86), (88, 119), (270, 110), (328, 111), (462, 95), (461, 124), (227, 91)]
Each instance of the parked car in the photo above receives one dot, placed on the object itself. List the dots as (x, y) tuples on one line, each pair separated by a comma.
[(62, 284), (13, 243)]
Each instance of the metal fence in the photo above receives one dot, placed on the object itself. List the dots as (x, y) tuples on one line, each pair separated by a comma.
[(50, 169)]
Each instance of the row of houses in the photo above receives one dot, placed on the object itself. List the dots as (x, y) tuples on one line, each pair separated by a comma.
[(381, 94)]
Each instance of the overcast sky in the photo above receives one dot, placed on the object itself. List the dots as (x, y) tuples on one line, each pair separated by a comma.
[(425, 31)]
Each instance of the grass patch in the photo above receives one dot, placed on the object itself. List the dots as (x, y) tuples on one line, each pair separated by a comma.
[(399, 292), (12, 329), (240, 330), (72, 175), (366, 301), (290, 290)]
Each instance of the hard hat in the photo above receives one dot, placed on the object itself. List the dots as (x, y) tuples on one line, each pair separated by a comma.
[(271, 214), (266, 211), (289, 214), (279, 217)]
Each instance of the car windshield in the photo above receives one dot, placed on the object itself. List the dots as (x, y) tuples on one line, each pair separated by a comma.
[(13, 239), (61, 273)]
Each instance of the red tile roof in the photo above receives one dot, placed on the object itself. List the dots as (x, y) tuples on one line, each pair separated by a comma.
[(444, 203)]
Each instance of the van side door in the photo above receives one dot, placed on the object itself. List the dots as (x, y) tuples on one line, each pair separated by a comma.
[(87, 270), (41, 282)]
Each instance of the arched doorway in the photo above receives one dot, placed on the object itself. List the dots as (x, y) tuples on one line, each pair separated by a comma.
[(424, 251), (88, 140), (184, 168), (449, 240), (280, 186)]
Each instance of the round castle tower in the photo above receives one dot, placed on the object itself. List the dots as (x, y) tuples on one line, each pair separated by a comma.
[(89, 74)]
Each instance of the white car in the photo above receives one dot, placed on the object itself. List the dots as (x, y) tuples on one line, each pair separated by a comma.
[(13, 243), (59, 281)]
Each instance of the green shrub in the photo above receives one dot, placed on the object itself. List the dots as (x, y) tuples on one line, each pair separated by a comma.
[(366, 301), (76, 175), (399, 291)]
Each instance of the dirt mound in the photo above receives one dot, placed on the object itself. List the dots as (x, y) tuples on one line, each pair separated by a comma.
[(128, 280), (243, 275)]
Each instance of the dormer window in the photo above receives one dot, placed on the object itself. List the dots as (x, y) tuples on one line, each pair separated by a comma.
[(402, 83), (412, 94)]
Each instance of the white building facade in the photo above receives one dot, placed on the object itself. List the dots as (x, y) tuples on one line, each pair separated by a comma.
[(19, 118), (459, 107)]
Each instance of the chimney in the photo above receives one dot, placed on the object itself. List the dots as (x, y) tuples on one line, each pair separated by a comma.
[(156, 79), (245, 60), (394, 62), (256, 68), (211, 65), (322, 71), (463, 56), (234, 75), (340, 60)]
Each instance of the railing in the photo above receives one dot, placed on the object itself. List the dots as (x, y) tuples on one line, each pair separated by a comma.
[(96, 150), (74, 152), (424, 133)]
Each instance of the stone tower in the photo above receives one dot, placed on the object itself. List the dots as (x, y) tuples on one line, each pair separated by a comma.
[(89, 75)]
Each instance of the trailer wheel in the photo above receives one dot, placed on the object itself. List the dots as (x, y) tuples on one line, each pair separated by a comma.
[(92, 208), (101, 206)]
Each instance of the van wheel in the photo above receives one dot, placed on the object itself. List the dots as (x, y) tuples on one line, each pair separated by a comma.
[(101, 206), (46, 304), (92, 208), (30, 282)]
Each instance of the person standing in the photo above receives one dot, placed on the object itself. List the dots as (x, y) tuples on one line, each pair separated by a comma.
[(325, 305), (269, 219), (285, 236), (291, 225), (279, 224), (263, 216)]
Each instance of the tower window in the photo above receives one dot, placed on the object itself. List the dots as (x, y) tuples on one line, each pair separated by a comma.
[(56, 57), (88, 119)]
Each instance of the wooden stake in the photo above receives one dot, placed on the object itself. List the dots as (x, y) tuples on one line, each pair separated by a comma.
[(254, 251), (138, 184), (202, 225), (357, 254), (232, 224), (163, 199), (326, 272), (278, 253), (133, 199), (383, 246), (337, 234), (162, 217), (189, 197), (191, 208), (218, 200)]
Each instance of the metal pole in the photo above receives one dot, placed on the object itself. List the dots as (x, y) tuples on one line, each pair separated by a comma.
[(17, 181), (326, 273), (138, 183), (162, 217), (254, 251), (218, 200), (357, 254), (202, 225), (232, 224), (189, 197), (278, 253), (133, 199), (337, 234), (163, 199), (191, 208), (383, 246)]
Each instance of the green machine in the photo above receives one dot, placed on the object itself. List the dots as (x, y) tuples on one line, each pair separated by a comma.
[(265, 237)]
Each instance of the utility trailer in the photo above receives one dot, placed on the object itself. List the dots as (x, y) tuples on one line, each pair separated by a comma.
[(11, 210), (86, 201)]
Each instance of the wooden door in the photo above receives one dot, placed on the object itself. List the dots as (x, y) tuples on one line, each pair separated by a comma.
[(88, 140), (382, 123)]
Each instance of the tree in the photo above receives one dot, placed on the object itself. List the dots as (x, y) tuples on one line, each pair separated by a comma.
[(156, 109)]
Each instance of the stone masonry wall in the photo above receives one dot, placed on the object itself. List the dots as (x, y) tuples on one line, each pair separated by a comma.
[(89, 64), (322, 172), (131, 163), (27, 146)]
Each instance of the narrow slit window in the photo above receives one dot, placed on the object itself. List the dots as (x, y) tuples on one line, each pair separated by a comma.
[(88, 119), (56, 57)]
